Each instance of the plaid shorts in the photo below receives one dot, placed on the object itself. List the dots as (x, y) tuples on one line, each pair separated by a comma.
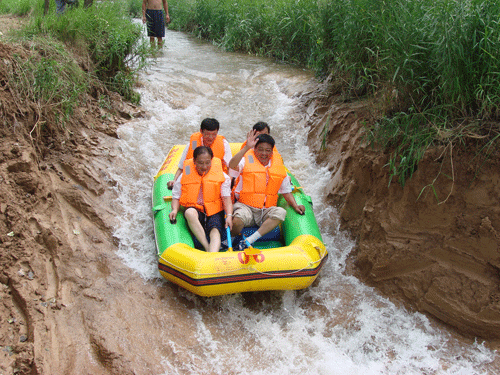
[(256, 216)]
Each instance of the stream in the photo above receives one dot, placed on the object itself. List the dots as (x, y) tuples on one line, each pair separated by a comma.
[(336, 326)]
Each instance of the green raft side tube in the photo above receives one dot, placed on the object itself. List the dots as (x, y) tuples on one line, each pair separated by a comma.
[(167, 234), (296, 224)]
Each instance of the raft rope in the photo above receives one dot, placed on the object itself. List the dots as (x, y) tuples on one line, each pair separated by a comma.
[(322, 256), (310, 264)]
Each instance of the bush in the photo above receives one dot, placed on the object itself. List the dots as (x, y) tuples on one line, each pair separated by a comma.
[(106, 33), (17, 7)]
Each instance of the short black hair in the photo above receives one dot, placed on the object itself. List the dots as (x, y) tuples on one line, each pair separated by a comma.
[(261, 125), (200, 150), (265, 138), (210, 124)]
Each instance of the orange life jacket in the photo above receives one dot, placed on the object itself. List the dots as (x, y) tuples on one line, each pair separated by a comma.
[(217, 147), (255, 191), (237, 179), (191, 182)]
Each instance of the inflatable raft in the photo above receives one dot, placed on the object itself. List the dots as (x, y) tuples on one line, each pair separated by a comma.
[(288, 258)]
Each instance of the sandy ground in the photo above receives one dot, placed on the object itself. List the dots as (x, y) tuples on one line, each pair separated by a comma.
[(68, 305)]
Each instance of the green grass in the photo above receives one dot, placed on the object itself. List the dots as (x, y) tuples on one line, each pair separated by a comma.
[(440, 57), (17, 7), (103, 31), (134, 8), (50, 78), (107, 34)]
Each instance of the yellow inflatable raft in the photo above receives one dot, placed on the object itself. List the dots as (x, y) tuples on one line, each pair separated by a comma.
[(288, 258)]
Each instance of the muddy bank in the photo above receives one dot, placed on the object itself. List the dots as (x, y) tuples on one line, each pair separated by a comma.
[(68, 305), (439, 255)]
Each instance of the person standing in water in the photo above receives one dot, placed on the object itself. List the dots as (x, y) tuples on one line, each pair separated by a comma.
[(154, 18)]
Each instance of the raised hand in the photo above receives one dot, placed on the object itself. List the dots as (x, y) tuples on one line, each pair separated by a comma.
[(252, 138)]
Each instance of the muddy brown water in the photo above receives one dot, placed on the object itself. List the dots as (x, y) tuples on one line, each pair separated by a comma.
[(338, 325)]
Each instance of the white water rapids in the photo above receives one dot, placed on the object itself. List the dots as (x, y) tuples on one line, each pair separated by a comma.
[(338, 325)]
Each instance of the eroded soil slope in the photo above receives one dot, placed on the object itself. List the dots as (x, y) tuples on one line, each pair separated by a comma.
[(68, 305), (62, 287), (440, 254)]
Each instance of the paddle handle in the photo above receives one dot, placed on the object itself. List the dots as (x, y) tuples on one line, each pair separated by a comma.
[(229, 241)]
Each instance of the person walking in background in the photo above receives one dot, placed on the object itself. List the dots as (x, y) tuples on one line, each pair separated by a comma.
[(154, 18), (61, 5)]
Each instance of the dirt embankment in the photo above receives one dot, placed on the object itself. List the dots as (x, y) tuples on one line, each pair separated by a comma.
[(62, 287), (440, 258), (69, 306)]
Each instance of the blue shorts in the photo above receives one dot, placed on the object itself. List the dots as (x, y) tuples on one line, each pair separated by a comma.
[(209, 222), (155, 23)]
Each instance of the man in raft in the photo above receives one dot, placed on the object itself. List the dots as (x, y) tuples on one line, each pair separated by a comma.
[(263, 177), (204, 192), (207, 136), (259, 128)]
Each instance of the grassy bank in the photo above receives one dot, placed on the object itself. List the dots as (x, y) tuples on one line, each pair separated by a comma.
[(436, 61), (76, 53)]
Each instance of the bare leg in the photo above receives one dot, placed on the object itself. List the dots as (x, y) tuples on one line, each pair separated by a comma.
[(214, 241), (152, 41), (268, 225), (160, 43), (237, 226), (194, 224)]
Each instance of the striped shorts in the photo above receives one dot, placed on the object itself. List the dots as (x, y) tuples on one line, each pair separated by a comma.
[(155, 22)]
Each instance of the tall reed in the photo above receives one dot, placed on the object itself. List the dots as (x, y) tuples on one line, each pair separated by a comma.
[(440, 58)]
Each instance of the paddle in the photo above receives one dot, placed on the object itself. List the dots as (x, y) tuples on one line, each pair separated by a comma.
[(250, 250), (229, 241)]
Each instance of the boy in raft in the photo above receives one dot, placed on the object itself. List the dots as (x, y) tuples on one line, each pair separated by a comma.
[(203, 190), (207, 136), (153, 17), (263, 177)]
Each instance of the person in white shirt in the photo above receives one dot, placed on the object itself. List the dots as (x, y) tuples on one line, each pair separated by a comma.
[(207, 136), (203, 191), (262, 177)]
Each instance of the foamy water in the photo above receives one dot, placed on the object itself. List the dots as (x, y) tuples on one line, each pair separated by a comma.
[(338, 325)]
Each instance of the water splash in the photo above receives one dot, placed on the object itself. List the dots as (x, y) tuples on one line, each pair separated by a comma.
[(338, 325)]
